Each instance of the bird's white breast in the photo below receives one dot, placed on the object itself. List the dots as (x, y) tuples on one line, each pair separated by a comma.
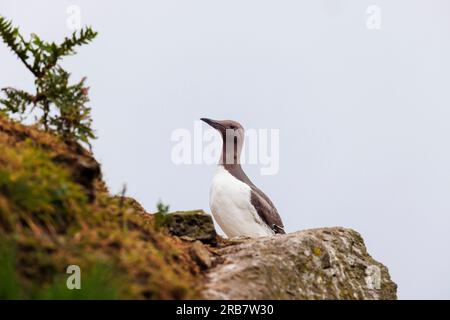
[(231, 207)]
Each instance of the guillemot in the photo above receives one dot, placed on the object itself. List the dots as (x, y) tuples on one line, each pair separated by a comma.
[(238, 206)]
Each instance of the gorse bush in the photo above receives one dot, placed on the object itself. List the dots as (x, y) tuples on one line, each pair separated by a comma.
[(61, 107)]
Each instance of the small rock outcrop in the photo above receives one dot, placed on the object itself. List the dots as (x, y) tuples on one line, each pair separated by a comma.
[(190, 225), (330, 263)]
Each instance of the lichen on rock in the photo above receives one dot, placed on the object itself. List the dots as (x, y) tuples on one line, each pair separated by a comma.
[(330, 263)]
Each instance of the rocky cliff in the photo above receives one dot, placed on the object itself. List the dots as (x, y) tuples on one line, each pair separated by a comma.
[(330, 263), (55, 211)]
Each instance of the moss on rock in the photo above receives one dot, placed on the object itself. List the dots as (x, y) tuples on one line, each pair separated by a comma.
[(191, 225), (56, 212)]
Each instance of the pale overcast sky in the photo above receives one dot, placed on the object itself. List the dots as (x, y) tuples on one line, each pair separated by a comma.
[(364, 115)]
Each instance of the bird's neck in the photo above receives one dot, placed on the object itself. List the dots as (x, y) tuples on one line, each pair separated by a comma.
[(229, 160), (231, 152)]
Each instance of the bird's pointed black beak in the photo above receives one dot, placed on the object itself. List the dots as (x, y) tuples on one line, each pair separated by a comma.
[(213, 123)]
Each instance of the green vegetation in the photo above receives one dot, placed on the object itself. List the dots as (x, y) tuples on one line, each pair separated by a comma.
[(99, 282), (35, 186), (48, 222), (55, 210), (9, 285), (61, 107), (161, 214), (162, 208)]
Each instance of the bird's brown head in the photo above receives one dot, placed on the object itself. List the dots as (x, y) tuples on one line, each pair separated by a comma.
[(233, 136)]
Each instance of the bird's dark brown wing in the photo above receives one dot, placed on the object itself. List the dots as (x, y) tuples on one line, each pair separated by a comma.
[(266, 210)]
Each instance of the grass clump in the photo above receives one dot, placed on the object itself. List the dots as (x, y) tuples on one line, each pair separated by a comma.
[(34, 190), (100, 281)]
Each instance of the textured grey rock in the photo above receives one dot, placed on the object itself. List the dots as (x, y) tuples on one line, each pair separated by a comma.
[(201, 255), (330, 263)]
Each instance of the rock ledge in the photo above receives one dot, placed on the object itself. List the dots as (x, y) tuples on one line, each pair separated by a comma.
[(329, 263)]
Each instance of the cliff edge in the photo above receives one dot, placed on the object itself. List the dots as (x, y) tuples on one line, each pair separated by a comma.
[(330, 263), (56, 212)]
